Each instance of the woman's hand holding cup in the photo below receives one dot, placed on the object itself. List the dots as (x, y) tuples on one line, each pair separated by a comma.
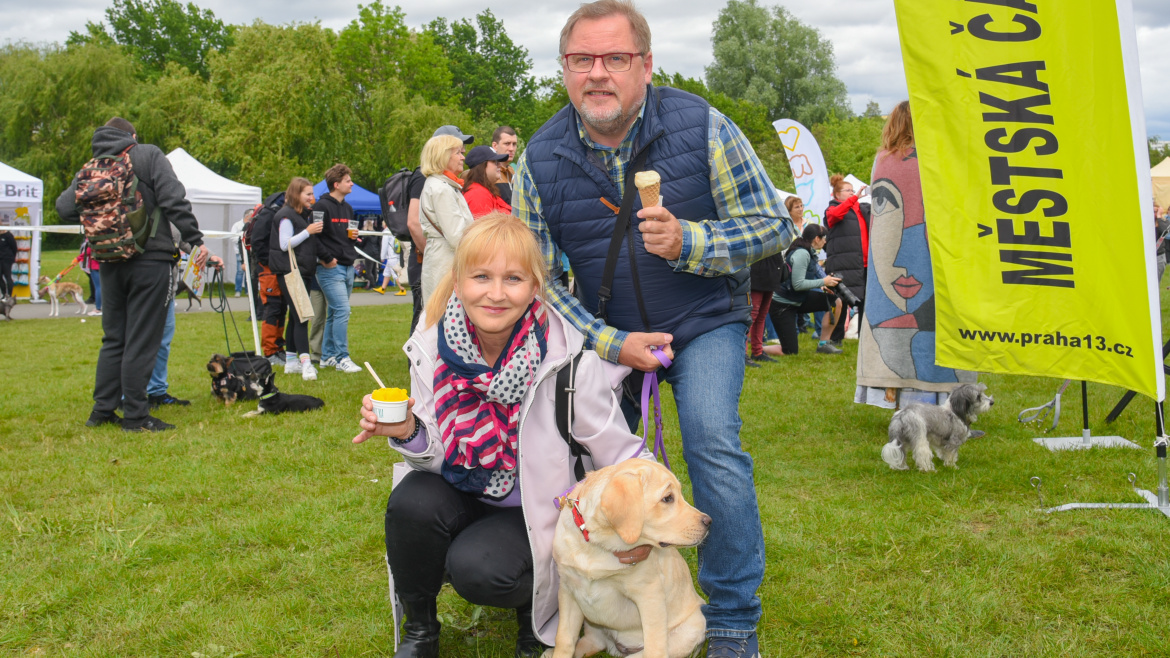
[(371, 427), (315, 227)]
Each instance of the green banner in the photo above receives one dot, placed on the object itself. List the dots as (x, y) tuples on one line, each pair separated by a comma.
[(1035, 176)]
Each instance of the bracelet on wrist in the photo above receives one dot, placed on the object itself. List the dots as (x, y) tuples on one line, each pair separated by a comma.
[(417, 427)]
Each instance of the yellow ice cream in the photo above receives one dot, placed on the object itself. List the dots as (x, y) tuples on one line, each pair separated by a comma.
[(390, 395)]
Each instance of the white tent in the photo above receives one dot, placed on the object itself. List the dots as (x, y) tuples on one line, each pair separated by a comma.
[(21, 203), (1161, 176), (216, 201)]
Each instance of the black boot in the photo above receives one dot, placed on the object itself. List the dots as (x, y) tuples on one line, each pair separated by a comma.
[(420, 637), (527, 644)]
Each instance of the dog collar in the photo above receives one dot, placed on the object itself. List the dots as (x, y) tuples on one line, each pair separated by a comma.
[(578, 518), (272, 394)]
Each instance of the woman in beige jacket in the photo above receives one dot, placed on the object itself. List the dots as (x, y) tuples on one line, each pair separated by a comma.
[(443, 212)]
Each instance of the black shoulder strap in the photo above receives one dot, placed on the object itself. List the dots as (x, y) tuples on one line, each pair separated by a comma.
[(566, 380), (605, 291)]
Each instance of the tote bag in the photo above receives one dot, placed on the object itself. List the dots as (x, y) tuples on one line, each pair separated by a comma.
[(296, 289)]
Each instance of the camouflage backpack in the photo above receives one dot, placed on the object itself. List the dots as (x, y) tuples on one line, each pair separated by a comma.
[(113, 214)]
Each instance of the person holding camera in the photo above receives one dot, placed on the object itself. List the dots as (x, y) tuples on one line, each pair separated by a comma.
[(805, 292)]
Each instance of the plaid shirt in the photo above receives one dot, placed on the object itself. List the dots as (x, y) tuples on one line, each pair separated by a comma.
[(752, 222)]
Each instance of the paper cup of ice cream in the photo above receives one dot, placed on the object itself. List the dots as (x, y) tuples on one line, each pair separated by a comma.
[(390, 404)]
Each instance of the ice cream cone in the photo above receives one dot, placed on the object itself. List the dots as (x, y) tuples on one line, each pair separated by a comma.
[(649, 185)]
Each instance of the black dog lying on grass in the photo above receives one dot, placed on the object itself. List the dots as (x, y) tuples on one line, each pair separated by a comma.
[(245, 376)]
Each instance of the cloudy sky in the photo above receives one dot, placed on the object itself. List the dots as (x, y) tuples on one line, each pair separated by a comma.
[(863, 32)]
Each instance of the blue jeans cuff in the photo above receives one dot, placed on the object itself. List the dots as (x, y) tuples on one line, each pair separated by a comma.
[(729, 632)]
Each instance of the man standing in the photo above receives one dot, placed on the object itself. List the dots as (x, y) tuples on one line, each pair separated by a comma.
[(680, 280), (336, 253), (418, 241), (136, 292), (504, 140)]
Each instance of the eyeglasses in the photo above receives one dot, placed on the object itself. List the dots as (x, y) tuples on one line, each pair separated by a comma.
[(613, 62)]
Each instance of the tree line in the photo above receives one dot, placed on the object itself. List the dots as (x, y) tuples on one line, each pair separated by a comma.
[(262, 103)]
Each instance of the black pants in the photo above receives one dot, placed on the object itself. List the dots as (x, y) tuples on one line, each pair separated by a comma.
[(784, 317), (135, 296), (432, 530), (6, 283), (296, 332)]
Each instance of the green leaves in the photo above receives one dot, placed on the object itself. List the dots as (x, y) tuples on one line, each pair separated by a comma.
[(157, 32), (773, 60)]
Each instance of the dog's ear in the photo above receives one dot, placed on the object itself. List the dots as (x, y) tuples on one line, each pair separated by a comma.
[(961, 400), (621, 502)]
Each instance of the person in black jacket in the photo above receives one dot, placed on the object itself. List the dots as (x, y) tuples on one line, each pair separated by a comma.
[(336, 252), (293, 231), (7, 260), (847, 245), (135, 292)]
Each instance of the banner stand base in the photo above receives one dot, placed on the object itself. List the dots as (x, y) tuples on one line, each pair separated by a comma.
[(1153, 503), (1087, 441)]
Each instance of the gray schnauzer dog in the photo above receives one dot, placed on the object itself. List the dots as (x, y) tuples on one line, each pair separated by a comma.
[(943, 429)]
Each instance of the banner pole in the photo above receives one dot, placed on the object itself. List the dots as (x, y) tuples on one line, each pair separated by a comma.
[(251, 299)]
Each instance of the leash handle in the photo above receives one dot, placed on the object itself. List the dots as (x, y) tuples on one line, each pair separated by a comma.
[(650, 389)]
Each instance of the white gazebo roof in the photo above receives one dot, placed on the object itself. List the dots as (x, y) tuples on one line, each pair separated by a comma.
[(205, 186), (17, 186)]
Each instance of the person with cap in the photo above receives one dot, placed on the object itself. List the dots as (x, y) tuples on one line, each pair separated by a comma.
[(479, 183), (505, 141), (418, 241), (442, 210)]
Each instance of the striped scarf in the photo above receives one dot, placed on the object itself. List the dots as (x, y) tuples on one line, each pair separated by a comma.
[(478, 406)]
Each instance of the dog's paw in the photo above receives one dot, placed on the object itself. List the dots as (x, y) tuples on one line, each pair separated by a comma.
[(926, 468), (254, 413), (900, 467)]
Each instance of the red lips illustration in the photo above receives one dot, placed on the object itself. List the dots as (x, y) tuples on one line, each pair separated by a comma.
[(907, 286)]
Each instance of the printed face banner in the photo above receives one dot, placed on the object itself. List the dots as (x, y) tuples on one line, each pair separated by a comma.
[(809, 174), (1035, 176)]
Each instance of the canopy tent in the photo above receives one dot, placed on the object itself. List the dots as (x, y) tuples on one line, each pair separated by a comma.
[(216, 201), (363, 201), (21, 204), (1161, 175)]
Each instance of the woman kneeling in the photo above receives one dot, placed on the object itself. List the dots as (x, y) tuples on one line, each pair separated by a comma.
[(482, 439)]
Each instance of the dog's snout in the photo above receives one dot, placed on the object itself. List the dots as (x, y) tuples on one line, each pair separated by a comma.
[(706, 521)]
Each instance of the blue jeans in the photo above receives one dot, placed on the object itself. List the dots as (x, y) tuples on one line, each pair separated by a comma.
[(96, 284), (707, 378), (337, 284), (158, 378), (239, 274)]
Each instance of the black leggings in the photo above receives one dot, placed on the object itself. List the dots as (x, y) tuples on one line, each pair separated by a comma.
[(784, 317), (6, 283), (296, 332), (432, 529)]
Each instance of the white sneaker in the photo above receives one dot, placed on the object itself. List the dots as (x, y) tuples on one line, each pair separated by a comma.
[(347, 365), (292, 367), (329, 363), (308, 372)]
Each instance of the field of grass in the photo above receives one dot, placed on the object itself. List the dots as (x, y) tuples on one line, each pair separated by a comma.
[(241, 537)]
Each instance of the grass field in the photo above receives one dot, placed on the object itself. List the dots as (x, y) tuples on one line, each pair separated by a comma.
[(241, 537)]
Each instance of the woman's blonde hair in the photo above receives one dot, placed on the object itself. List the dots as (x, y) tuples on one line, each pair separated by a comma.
[(494, 233), (436, 153), (292, 196), (898, 133)]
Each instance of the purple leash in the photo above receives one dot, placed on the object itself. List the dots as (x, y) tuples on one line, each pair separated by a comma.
[(650, 387)]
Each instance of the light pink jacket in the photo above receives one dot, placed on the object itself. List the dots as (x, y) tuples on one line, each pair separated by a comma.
[(546, 467)]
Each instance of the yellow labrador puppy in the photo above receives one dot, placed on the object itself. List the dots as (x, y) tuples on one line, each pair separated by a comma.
[(649, 609)]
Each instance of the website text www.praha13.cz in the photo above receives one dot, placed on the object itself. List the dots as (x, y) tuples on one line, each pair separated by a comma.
[(1057, 339)]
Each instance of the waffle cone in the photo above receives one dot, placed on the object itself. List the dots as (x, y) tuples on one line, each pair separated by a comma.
[(651, 195)]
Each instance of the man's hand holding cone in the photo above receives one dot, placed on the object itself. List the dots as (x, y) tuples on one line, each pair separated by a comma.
[(663, 236)]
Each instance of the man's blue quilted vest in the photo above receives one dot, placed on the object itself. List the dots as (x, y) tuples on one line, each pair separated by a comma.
[(572, 181)]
